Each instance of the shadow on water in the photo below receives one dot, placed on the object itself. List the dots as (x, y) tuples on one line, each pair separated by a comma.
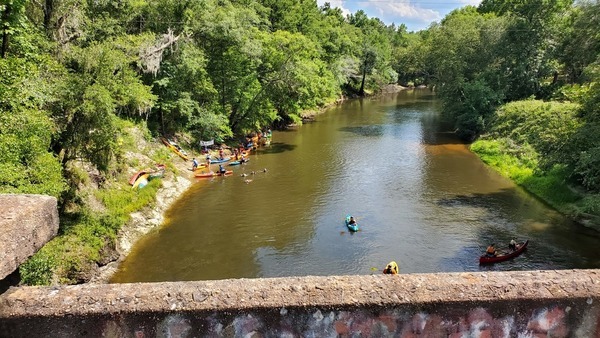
[(368, 130), (277, 148)]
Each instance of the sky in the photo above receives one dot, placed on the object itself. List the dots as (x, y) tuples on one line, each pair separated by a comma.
[(415, 14)]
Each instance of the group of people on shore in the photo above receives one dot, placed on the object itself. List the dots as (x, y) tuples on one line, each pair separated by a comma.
[(238, 154)]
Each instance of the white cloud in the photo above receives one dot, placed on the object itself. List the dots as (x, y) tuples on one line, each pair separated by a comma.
[(404, 10), (391, 9), (414, 13), (335, 3), (471, 2)]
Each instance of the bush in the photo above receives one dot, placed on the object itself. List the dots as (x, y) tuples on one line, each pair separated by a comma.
[(37, 270), (548, 127)]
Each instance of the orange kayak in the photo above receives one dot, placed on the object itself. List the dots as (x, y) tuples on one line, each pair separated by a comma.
[(212, 174)]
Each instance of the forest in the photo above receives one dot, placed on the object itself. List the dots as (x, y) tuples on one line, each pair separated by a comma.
[(518, 79)]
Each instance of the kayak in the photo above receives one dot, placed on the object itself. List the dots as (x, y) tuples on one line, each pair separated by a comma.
[(504, 254), (220, 161), (200, 166), (175, 148), (212, 174), (137, 175), (239, 162), (204, 175), (158, 169), (141, 182), (351, 227)]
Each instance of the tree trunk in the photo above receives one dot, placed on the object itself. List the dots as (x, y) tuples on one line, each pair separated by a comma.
[(5, 36), (48, 9), (361, 92)]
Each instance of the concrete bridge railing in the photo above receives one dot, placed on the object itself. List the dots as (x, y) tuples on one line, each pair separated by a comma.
[(485, 304)]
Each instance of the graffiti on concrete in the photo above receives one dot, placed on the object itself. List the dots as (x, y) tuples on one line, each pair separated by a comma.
[(546, 321)]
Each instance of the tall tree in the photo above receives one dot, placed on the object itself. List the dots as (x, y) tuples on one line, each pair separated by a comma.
[(374, 50), (467, 72), (530, 35), (26, 163), (580, 45), (11, 20)]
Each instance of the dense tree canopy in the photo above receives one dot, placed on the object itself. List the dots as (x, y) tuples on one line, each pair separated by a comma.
[(210, 68), (222, 68)]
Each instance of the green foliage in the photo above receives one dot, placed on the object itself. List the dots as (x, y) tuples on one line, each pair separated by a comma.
[(26, 165), (102, 85), (467, 76), (37, 270), (294, 79), (12, 22), (83, 234), (517, 163), (520, 165), (123, 201), (530, 34), (547, 126)]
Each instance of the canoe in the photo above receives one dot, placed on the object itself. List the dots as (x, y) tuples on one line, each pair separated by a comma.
[(228, 172), (136, 176), (141, 182), (504, 254), (351, 227), (391, 268)]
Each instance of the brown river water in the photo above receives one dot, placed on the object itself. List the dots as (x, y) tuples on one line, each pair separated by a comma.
[(420, 196)]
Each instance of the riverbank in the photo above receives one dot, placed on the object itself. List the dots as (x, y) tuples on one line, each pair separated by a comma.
[(173, 184), (551, 187)]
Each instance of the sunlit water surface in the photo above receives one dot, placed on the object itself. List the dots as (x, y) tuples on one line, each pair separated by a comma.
[(420, 197)]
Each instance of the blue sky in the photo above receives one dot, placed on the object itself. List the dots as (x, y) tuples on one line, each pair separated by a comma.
[(415, 14)]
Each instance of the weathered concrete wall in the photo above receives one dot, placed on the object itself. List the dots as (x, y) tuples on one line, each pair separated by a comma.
[(27, 222), (494, 304)]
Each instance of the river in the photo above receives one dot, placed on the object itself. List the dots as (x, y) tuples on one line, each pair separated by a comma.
[(420, 196)]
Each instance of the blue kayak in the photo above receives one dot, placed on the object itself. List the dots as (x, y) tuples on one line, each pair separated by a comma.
[(351, 227), (220, 160), (238, 162)]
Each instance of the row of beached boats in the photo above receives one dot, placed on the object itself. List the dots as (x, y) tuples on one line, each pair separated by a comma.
[(243, 158)]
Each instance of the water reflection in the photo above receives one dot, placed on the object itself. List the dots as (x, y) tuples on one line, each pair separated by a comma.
[(420, 197)]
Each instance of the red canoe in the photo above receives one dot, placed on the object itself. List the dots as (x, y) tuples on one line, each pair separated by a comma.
[(504, 255)]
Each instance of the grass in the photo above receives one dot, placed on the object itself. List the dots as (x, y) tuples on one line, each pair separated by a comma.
[(520, 165)]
